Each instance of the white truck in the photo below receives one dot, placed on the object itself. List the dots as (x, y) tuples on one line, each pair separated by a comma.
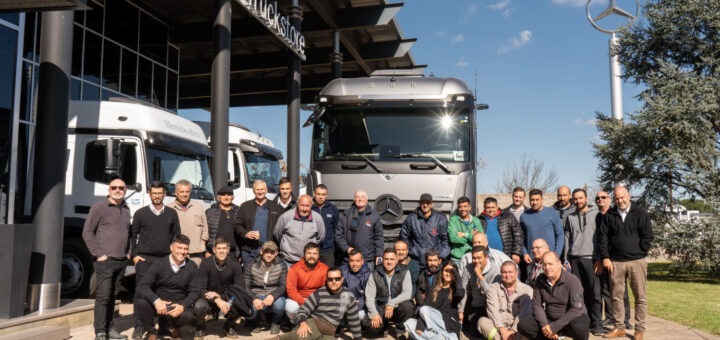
[(250, 157), (141, 144), (396, 136)]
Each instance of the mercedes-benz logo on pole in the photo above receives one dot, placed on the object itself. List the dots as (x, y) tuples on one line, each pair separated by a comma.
[(612, 9), (389, 207)]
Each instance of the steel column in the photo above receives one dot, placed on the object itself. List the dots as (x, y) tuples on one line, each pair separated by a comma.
[(293, 109), (56, 42), (220, 93), (336, 57)]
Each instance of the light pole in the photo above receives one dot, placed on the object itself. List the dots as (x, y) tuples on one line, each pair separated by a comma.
[(615, 80)]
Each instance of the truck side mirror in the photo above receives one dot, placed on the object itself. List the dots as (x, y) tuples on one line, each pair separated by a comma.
[(137, 187)]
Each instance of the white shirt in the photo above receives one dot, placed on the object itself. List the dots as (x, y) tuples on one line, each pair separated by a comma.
[(623, 213)]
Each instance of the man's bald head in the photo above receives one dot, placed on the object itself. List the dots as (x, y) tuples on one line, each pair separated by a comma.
[(480, 239), (622, 197)]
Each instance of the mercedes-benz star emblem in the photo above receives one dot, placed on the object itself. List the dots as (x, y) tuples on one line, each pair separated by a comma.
[(612, 9), (389, 207)]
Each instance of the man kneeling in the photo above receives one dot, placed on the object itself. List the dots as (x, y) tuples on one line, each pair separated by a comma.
[(168, 290), (216, 274), (557, 305), (323, 311)]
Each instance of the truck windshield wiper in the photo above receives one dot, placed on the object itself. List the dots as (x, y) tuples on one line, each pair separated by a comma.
[(426, 155), (367, 160)]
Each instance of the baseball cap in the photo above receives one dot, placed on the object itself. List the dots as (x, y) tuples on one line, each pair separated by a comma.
[(426, 197), (269, 245), (225, 190)]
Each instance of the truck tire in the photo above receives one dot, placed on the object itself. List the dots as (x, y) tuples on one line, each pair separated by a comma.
[(78, 273)]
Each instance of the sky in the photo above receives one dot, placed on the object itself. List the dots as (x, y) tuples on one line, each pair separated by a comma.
[(541, 67)]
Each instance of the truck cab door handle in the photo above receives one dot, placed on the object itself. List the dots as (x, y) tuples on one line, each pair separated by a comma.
[(355, 166)]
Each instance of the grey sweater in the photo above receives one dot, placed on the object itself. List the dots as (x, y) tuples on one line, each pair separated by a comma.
[(292, 233), (332, 308), (581, 234)]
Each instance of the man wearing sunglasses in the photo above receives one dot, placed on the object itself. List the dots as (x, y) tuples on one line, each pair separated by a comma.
[(106, 233), (323, 311)]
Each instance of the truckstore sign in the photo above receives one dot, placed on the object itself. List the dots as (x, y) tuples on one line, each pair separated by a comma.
[(268, 14)]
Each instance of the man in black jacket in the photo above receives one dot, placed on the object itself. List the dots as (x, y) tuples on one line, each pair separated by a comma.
[(256, 222), (217, 273), (624, 241), (221, 218), (558, 306), (503, 230), (153, 227), (169, 289), (428, 275), (360, 228)]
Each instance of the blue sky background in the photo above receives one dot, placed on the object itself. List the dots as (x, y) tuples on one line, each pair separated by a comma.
[(541, 66)]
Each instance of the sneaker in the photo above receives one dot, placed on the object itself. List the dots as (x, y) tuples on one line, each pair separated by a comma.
[(598, 331), (137, 333), (199, 334), (115, 335), (101, 336), (275, 328), (231, 333), (628, 326), (261, 327)]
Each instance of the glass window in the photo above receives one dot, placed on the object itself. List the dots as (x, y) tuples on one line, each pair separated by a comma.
[(172, 90), (169, 167), (29, 43), (173, 58), (80, 17), (93, 55), (111, 65), (75, 85), (8, 58), (78, 40), (145, 75), (153, 39), (95, 162), (373, 134), (94, 17), (90, 92), (264, 167), (13, 18), (159, 86), (129, 72), (122, 23), (26, 91)]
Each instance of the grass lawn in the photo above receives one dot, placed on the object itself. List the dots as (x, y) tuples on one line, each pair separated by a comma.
[(691, 299)]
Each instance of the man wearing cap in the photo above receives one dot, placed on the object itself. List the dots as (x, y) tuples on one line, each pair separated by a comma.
[(221, 220), (256, 222), (425, 229), (266, 279)]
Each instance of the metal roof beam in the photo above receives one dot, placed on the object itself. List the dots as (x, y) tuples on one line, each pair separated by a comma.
[(364, 17)]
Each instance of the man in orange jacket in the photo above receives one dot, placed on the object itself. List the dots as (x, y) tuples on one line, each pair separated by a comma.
[(304, 277)]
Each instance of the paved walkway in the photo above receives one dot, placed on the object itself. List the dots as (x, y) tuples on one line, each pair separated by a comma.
[(657, 329)]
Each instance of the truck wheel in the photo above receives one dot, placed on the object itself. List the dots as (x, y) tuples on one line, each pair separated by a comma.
[(78, 273)]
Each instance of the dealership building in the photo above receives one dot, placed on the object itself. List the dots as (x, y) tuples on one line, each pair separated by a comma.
[(172, 54)]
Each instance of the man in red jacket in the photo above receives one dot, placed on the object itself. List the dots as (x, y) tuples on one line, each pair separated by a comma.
[(304, 277)]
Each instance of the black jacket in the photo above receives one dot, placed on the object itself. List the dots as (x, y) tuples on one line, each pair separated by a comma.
[(369, 239), (245, 219), (510, 231), (213, 219), (625, 241)]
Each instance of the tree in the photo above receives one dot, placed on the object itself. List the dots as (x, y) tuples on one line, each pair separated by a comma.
[(671, 146), (528, 173)]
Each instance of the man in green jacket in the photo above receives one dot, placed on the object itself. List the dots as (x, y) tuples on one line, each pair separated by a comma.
[(461, 228)]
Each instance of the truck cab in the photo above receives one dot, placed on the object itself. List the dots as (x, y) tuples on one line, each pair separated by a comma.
[(140, 144)]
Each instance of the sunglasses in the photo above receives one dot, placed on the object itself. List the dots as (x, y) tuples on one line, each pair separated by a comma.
[(120, 187), (334, 279), (600, 197)]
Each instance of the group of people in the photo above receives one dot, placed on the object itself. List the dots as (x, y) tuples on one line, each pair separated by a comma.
[(534, 272)]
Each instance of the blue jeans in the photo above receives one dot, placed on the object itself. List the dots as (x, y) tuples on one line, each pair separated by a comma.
[(248, 257), (435, 327), (277, 310)]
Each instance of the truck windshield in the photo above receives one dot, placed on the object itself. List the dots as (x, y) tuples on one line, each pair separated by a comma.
[(386, 134), (264, 167), (170, 166)]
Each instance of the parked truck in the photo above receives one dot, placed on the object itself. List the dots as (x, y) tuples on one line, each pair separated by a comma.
[(138, 142), (250, 157), (397, 137)]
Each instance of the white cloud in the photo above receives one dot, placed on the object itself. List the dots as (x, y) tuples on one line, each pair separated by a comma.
[(458, 38), (439, 34), (500, 5), (585, 122), (578, 3), (462, 63), (516, 42)]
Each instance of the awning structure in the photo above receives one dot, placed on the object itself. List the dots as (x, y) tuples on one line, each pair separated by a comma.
[(369, 36)]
